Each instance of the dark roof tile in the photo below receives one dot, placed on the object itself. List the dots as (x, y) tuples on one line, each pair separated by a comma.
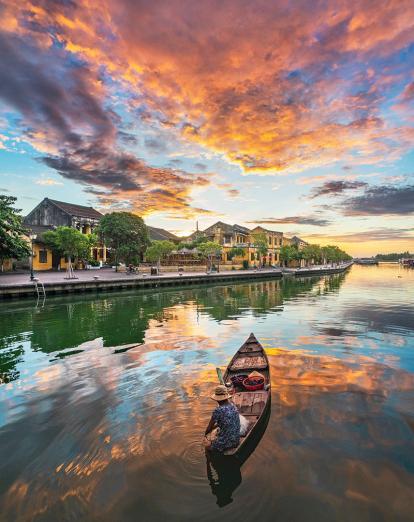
[(77, 210), (159, 234)]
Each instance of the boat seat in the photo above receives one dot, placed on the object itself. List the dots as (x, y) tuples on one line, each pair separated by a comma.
[(249, 363), (252, 422), (250, 403)]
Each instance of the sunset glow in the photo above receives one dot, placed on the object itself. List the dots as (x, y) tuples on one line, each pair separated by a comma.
[(296, 115)]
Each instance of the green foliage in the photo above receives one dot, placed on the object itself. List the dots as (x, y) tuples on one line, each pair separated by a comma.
[(333, 254), (394, 256), (68, 241), (236, 252), (288, 253), (312, 253), (190, 245), (260, 243), (209, 250), (159, 250), (12, 245), (125, 234)]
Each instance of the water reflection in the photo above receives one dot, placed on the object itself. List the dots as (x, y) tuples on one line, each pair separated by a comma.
[(100, 435), (224, 472), (65, 324), (224, 477)]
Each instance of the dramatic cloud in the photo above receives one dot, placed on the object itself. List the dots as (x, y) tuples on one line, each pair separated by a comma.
[(266, 86), (381, 201), (336, 187), (64, 116), (273, 86), (297, 220), (122, 176)]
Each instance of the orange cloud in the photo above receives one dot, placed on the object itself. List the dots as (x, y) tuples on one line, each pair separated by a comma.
[(273, 88)]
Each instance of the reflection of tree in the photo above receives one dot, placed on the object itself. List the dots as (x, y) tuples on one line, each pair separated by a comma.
[(334, 283), (62, 324), (258, 298), (121, 319), (8, 361)]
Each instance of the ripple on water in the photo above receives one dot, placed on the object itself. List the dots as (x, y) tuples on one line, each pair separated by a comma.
[(100, 435)]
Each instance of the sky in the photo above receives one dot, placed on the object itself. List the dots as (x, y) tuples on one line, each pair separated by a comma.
[(294, 115)]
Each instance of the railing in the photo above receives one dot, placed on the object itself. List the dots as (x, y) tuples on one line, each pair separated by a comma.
[(40, 290)]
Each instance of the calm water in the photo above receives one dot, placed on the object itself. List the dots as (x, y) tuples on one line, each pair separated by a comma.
[(105, 400)]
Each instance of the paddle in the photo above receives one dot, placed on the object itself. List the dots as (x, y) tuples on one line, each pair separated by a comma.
[(220, 375)]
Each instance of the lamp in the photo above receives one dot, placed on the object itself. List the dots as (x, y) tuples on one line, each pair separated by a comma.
[(32, 237)]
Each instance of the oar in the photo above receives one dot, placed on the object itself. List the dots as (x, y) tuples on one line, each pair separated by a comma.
[(220, 376)]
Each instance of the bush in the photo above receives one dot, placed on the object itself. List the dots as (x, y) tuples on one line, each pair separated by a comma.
[(93, 262), (245, 264)]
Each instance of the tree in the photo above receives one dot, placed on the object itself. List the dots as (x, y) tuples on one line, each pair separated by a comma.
[(190, 245), (209, 250), (261, 245), (12, 244), (236, 252), (125, 234), (287, 253), (334, 254), (311, 253), (69, 242), (158, 250)]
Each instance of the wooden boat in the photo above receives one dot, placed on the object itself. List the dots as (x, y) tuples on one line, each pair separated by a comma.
[(253, 405)]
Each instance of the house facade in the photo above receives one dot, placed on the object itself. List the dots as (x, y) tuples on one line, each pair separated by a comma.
[(50, 214), (237, 236)]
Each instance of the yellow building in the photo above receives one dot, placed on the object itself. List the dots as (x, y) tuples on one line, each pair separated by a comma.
[(274, 241), (237, 236), (50, 214)]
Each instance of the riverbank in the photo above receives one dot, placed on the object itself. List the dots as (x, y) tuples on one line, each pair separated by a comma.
[(18, 285), (317, 269)]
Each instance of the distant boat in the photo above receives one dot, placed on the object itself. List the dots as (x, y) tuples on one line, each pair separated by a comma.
[(366, 261), (407, 262)]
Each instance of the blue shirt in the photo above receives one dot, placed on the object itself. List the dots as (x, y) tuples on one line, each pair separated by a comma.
[(227, 419)]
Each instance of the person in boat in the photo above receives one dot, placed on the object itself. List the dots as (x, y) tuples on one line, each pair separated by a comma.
[(226, 418)]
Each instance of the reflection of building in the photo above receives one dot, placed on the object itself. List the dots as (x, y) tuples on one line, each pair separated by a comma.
[(50, 214), (237, 236)]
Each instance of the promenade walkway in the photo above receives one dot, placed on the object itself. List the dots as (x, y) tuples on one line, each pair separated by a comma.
[(109, 274), (19, 285)]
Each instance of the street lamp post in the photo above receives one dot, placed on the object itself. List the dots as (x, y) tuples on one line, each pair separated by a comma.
[(32, 238)]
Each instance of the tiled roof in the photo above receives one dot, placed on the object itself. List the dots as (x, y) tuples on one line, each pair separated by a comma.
[(158, 234), (269, 231), (297, 239), (243, 230), (39, 230), (227, 229), (77, 210)]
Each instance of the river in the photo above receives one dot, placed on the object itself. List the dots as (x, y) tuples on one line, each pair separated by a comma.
[(104, 400)]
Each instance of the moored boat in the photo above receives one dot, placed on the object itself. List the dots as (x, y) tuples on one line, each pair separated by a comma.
[(366, 261)]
